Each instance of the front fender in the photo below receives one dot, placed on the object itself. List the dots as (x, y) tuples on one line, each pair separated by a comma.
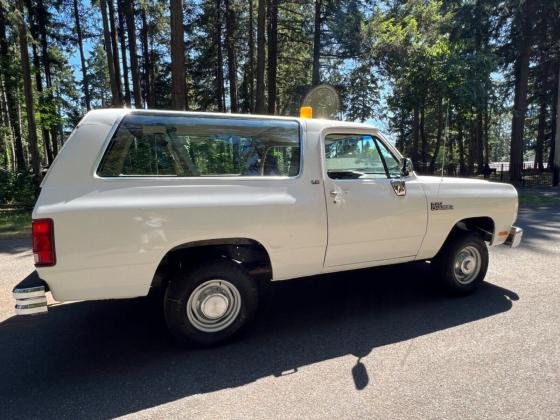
[(451, 200)]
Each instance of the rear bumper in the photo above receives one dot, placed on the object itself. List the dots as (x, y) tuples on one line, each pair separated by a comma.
[(30, 295), (514, 238)]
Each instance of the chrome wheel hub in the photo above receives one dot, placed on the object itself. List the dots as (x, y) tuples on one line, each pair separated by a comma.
[(467, 264), (213, 305)]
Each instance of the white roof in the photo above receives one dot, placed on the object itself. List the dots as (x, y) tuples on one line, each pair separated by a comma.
[(109, 115)]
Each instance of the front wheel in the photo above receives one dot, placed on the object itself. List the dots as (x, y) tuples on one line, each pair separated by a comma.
[(462, 264), (209, 303)]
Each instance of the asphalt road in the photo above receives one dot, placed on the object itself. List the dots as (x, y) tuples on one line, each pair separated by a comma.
[(380, 343)]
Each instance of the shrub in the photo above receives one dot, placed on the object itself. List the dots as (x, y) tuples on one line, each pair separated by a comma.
[(17, 188)]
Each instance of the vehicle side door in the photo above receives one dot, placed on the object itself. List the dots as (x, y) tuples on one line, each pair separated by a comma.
[(370, 218)]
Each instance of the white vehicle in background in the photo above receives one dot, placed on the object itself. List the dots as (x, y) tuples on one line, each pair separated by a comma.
[(205, 206)]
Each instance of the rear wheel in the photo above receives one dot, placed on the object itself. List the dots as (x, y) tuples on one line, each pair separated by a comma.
[(209, 303), (461, 266)]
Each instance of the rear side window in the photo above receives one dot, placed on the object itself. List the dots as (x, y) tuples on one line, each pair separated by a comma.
[(191, 146)]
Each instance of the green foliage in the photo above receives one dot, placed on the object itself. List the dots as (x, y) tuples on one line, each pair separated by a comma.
[(16, 188), (417, 64), (15, 223), (361, 93), (100, 89)]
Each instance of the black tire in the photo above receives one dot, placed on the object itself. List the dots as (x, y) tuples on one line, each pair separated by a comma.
[(184, 283), (467, 244)]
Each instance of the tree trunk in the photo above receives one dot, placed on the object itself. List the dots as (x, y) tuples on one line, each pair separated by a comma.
[(415, 134), (272, 54), (33, 15), (28, 93), (471, 147), (5, 121), (544, 62), (520, 100), (401, 139), (486, 136), (423, 136), (261, 56), (48, 75), (539, 147), (251, 73), (316, 71), (556, 163), (85, 82), (148, 79), (177, 56), (115, 97), (220, 93), (153, 60), (450, 158), (438, 135), (480, 39), (232, 60), (115, 48), (10, 91), (479, 140), (461, 145), (122, 39), (550, 160), (136, 91)]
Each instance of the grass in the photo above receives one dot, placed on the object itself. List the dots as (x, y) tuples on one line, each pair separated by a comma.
[(15, 224), (539, 198)]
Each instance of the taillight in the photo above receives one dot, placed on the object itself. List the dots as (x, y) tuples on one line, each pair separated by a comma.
[(43, 242)]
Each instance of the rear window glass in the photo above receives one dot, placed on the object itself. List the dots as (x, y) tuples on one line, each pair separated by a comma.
[(191, 146)]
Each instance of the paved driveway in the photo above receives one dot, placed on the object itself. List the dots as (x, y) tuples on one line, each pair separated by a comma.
[(380, 343)]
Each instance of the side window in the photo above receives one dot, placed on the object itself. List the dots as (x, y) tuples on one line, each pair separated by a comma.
[(281, 160), (353, 156), (393, 165), (191, 146)]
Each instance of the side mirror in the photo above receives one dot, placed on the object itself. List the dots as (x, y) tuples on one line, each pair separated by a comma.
[(406, 166)]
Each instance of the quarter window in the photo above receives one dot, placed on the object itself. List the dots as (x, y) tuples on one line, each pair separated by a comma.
[(191, 146)]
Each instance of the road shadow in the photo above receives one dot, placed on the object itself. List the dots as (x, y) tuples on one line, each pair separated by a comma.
[(110, 358), (15, 245), (541, 227)]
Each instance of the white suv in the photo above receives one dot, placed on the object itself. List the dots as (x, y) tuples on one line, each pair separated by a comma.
[(205, 206)]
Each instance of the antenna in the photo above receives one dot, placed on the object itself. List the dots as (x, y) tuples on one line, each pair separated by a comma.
[(446, 135)]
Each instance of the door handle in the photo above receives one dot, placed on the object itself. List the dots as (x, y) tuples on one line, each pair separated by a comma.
[(337, 196)]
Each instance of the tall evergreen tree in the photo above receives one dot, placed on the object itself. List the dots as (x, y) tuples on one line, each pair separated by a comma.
[(177, 56)]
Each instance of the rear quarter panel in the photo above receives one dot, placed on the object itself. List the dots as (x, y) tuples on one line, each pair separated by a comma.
[(111, 234)]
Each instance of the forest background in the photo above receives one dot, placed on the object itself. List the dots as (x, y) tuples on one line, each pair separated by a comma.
[(475, 80)]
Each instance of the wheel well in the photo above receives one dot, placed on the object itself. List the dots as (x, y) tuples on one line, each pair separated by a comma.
[(248, 252), (482, 225)]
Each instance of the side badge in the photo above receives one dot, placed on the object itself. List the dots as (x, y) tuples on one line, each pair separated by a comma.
[(438, 205)]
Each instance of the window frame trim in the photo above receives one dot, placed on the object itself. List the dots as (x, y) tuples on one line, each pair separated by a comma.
[(377, 141), (119, 121)]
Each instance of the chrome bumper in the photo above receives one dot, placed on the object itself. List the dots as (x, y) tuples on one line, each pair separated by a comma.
[(30, 295), (514, 238)]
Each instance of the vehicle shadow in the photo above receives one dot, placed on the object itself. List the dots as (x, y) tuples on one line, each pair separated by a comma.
[(105, 359), (15, 245)]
